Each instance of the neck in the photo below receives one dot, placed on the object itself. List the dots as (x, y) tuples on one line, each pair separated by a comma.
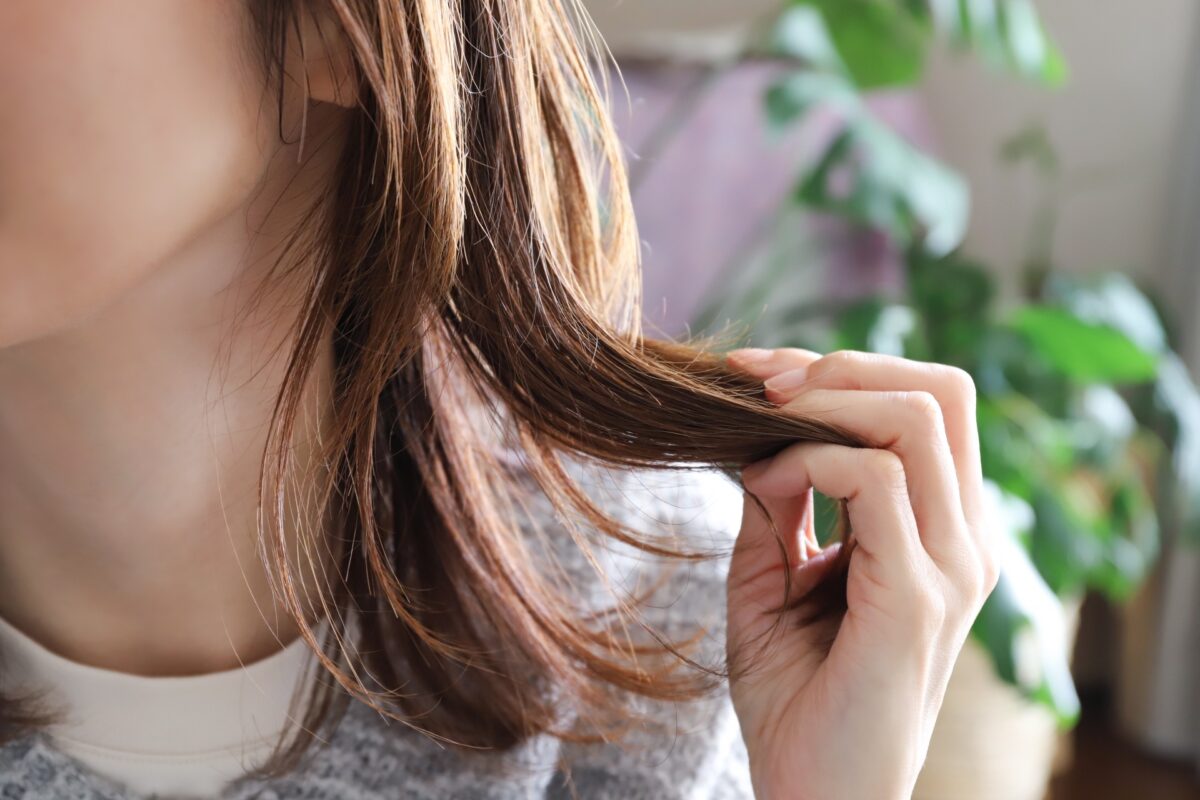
[(130, 450)]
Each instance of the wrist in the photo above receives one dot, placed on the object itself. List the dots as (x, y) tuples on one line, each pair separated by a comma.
[(828, 781)]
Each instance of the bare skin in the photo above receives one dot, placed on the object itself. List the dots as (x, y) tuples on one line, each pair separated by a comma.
[(854, 721), (139, 203), (143, 197)]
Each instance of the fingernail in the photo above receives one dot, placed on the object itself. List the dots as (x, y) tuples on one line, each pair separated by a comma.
[(787, 381), (749, 355)]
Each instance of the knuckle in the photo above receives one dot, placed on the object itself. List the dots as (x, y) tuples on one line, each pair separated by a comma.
[(962, 568), (981, 579), (843, 356), (924, 406), (928, 613), (844, 363), (991, 571), (974, 590), (962, 385)]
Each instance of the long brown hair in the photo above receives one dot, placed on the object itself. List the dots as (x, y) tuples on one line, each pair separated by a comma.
[(476, 267)]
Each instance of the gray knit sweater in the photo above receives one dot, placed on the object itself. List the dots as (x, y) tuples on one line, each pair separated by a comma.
[(701, 757)]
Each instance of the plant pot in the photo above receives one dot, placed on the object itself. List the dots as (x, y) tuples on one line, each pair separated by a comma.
[(990, 742)]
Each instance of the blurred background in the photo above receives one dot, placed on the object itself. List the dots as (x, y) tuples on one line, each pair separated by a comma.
[(1009, 186)]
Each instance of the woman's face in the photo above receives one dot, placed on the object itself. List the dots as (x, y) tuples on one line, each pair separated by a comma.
[(127, 130)]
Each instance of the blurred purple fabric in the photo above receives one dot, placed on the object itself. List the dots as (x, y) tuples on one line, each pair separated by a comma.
[(707, 186)]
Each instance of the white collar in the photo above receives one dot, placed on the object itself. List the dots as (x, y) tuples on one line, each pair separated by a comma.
[(175, 736)]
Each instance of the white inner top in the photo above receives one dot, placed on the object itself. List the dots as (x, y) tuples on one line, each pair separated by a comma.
[(174, 736)]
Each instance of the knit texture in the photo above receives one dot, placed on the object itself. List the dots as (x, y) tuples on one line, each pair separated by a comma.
[(694, 751)]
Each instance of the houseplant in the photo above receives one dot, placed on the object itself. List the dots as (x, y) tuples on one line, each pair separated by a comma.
[(1083, 415)]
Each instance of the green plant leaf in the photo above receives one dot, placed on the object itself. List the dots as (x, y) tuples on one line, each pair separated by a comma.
[(1095, 529), (1110, 299), (1026, 46), (871, 175), (801, 33), (875, 326), (1081, 350), (953, 297), (1006, 33), (880, 42), (1103, 421), (1022, 623), (793, 96), (1134, 538), (1009, 458), (950, 287), (825, 519), (1114, 300)]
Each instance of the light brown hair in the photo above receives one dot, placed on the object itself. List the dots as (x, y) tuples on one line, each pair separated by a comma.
[(478, 251)]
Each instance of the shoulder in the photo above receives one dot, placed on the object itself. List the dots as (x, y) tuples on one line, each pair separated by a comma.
[(697, 510), (688, 749), (33, 769), (686, 508)]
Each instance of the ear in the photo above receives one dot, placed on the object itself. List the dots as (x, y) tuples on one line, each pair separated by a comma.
[(329, 70)]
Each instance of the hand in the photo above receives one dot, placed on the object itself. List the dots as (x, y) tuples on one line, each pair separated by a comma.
[(852, 720)]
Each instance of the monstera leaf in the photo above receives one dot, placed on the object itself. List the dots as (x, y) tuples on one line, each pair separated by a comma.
[(1023, 623), (883, 43), (1113, 301), (1081, 350), (866, 172), (1006, 33)]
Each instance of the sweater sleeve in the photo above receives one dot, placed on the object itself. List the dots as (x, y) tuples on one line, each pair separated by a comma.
[(692, 749)]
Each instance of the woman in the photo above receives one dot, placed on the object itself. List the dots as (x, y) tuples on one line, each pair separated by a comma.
[(318, 350)]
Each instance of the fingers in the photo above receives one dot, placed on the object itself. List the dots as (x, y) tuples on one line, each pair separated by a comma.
[(951, 387), (813, 571), (873, 484), (908, 424), (758, 575), (792, 519), (789, 372), (905, 584), (762, 363)]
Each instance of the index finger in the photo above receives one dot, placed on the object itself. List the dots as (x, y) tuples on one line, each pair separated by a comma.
[(763, 363), (951, 387)]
